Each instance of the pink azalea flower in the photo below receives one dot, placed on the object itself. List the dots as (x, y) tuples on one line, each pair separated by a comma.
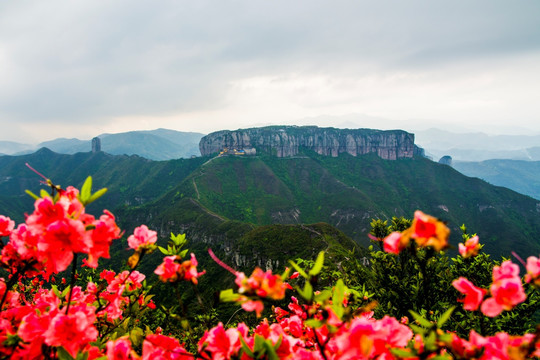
[(261, 283), (142, 237), (6, 226), (189, 270), (163, 347), (507, 270), (252, 305), (473, 295), (220, 343), (429, 231), (133, 282), (168, 269), (73, 331), (119, 349), (392, 243), (506, 294), (533, 270), (104, 232), (470, 248)]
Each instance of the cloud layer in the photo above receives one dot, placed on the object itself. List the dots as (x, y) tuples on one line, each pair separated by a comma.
[(86, 67)]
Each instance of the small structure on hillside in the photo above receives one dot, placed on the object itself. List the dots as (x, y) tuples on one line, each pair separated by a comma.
[(246, 151), (96, 145)]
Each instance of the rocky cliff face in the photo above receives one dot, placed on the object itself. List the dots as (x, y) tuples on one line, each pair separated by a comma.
[(285, 141)]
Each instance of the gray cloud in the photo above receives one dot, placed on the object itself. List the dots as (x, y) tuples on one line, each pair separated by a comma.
[(94, 61)]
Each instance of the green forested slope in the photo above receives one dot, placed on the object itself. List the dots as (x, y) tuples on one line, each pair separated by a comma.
[(221, 199)]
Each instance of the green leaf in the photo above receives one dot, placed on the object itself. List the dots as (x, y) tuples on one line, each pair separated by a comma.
[(228, 295), (246, 348), (401, 353), (313, 323), (163, 250), (307, 293), (96, 195), (183, 253), (339, 293), (63, 354), (297, 268), (259, 343), (86, 190), (323, 296), (417, 329), (82, 356), (56, 291), (34, 196), (65, 292), (425, 323), (178, 240), (317, 267), (270, 350), (136, 336), (444, 317), (44, 193)]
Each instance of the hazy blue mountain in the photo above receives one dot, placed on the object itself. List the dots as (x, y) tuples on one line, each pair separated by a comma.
[(11, 147), (67, 146), (160, 144), (478, 146), (518, 175)]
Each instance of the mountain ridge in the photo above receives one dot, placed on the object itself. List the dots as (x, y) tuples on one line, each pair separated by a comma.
[(158, 144), (232, 194)]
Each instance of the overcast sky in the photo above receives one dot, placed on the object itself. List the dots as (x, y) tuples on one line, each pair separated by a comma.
[(82, 68)]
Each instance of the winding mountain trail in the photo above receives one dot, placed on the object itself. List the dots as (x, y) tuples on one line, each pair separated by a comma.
[(203, 208)]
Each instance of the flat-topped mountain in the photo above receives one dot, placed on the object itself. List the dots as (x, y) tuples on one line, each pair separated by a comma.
[(286, 141)]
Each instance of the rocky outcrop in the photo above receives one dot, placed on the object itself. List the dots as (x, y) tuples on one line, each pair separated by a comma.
[(446, 160), (286, 141)]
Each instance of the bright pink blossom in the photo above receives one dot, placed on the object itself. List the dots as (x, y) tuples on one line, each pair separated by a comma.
[(6, 226), (163, 348), (261, 283), (131, 282), (103, 233), (473, 295), (188, 270), (429, 231), (73, 331), (220, 343), (142, 237), (507, 270), (506, 290), (506, 294), (392, 243), (533, 270), (470, 248), (168, 269), (251, 305), (119, 349)]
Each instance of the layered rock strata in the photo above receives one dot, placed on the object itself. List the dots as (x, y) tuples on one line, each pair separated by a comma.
[(286, 141)]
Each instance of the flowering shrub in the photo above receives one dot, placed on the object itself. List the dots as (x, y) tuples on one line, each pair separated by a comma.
[(97, 317)]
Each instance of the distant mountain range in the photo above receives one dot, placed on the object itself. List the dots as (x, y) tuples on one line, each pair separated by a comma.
[(160, 144), (478, 146), (218, 200), (518, 175)]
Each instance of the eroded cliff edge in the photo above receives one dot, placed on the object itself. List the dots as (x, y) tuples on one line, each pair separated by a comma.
[(285, 141)]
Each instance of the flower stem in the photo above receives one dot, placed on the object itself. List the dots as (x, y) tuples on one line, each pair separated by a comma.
[(72, 283)]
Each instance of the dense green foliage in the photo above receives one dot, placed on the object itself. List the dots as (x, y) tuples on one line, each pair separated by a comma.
[(197, 195)]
